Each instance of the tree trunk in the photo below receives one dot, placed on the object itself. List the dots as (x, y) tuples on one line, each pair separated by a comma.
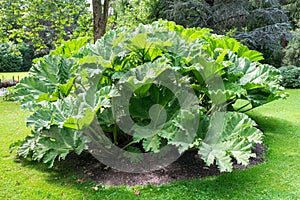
[(100, 15)]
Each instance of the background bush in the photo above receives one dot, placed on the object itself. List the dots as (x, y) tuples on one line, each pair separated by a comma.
[(27, 56), (10, 58), (292, 51), (293, 11), (291, 76)]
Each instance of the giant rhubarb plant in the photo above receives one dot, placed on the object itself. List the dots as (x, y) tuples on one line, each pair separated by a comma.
[(157, 86)]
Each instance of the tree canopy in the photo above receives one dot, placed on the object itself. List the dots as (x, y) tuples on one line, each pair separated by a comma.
[(43, 24)]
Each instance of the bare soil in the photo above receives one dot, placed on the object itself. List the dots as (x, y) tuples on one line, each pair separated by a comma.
[(188, 166)]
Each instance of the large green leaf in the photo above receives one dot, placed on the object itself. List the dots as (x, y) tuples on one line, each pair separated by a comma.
[(52, 113), (53, 69), (109, 46), (49, 79), (258, 83), (216, 152), (140, 79), (215, 42), (186, 123), (58, 145), (87, 105), (236, 140), (240, 125), (71, 48), (30, 89)]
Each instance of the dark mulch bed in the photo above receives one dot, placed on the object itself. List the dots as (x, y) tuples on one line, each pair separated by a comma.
[(188, 166)]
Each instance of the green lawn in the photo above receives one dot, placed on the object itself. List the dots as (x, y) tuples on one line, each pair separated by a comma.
[(278, 178), (10, 75)]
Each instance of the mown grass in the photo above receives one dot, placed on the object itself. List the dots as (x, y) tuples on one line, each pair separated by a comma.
[(10, 75), (278, 178)]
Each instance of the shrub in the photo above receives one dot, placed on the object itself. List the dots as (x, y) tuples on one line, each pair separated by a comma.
[(10, 58), (270, 40), (9, 95), (151, 90), (27, 53), (293, 11), (291, 76), (292, 52)]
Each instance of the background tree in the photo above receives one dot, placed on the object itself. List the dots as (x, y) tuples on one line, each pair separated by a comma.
[(293, 11), (42, 24), (100, 17), (292, 51), (27, 53), (131, 13)]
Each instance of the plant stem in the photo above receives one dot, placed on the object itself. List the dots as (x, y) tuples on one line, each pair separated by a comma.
[(127, 145), (115, 133)]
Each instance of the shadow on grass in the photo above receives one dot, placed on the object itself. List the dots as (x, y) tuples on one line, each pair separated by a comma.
[(65, 174), (252, 181), (274, 125)]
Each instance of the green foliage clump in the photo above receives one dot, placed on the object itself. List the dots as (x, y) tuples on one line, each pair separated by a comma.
[(292, 51), (9, 95), (148, 88), (132, 13), (27, 56), (10, 58), (291, 76), (190, 13), (43, 24), (293, 11)]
